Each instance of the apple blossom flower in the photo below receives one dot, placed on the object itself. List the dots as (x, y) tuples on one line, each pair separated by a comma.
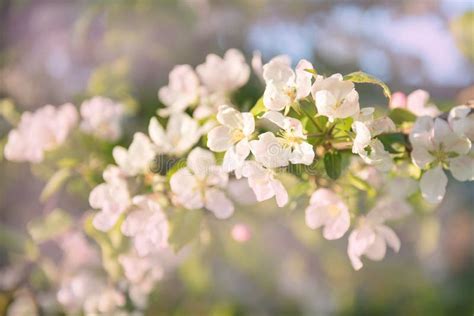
[(142, 273), (328, 210), (137, 157), (182, 133), (283, 85), (417, 102), (264, 184), (293, 137), (181, 91), (111, 197), (226, 74), (201, 184), (147, 224), (270, 151), (90, 292), (40, 131), (209, 103), (371, 150), (232, 136), (257, 64), (102, 117), (335, 97), (461, 120), (437, 146), (370, 239)]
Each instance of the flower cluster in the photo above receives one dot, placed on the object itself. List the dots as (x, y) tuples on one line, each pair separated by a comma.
[(359, 166)]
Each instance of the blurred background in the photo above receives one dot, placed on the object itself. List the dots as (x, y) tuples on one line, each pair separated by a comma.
[(54, 51)]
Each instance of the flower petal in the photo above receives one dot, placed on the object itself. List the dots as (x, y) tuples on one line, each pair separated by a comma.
[(433, 185)]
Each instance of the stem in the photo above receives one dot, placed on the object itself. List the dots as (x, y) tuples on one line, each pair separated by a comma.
[(312, 119)]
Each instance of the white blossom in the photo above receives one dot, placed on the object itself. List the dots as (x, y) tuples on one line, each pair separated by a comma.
[(283, 85), (226, 74), (111, 197), (335, 97), (370, 149), (370, 239), (102, 117), (182, 90), (201, 184), (232, 136), (137, 157), (264, 183), (437, 146), (328, 210), (417, 102), (40, 131), (147, 224), (270, 151), (293, 137), (182, 133), (461, 120)]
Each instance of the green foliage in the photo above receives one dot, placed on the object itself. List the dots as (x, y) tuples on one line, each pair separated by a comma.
[(55, 223), (362, 77), (333, 164), (9, 112), (185, 226), (259, 108), (394, 143), (55, 183), (463, 30), (400, 116)]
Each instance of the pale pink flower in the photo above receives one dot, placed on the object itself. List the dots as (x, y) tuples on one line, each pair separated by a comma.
[(437, 146), (102, 117), (417, 102), (111, 197), (328, 210), (181, 91), (39, 132), (147, 224), (283, 85), (264, 183), (335, 97), (201, 184), (225, 74), (136, 159)]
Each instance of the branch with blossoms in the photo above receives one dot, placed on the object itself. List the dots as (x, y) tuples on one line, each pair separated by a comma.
[(356, 168)]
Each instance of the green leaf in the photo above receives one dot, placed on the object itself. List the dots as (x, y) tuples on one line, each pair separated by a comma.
[(55, 183), (54, 224), (333, 164), (362, 77), (185, 226), (394, 143), (312, 71), (258, 108), (9, 112), (400, 116)]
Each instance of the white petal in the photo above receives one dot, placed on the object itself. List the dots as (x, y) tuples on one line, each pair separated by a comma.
[(302, 154), (248, 122), (280, 193), (303, 79), (421, 157), (433, 185), (336, 227), (156, 132), (218, 203), (315, 217), (276, 118), (200, 161), (219, 139), (389, 236), (230, 117), (362, 139), (104, 221), (462, 168), (376, 250)]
